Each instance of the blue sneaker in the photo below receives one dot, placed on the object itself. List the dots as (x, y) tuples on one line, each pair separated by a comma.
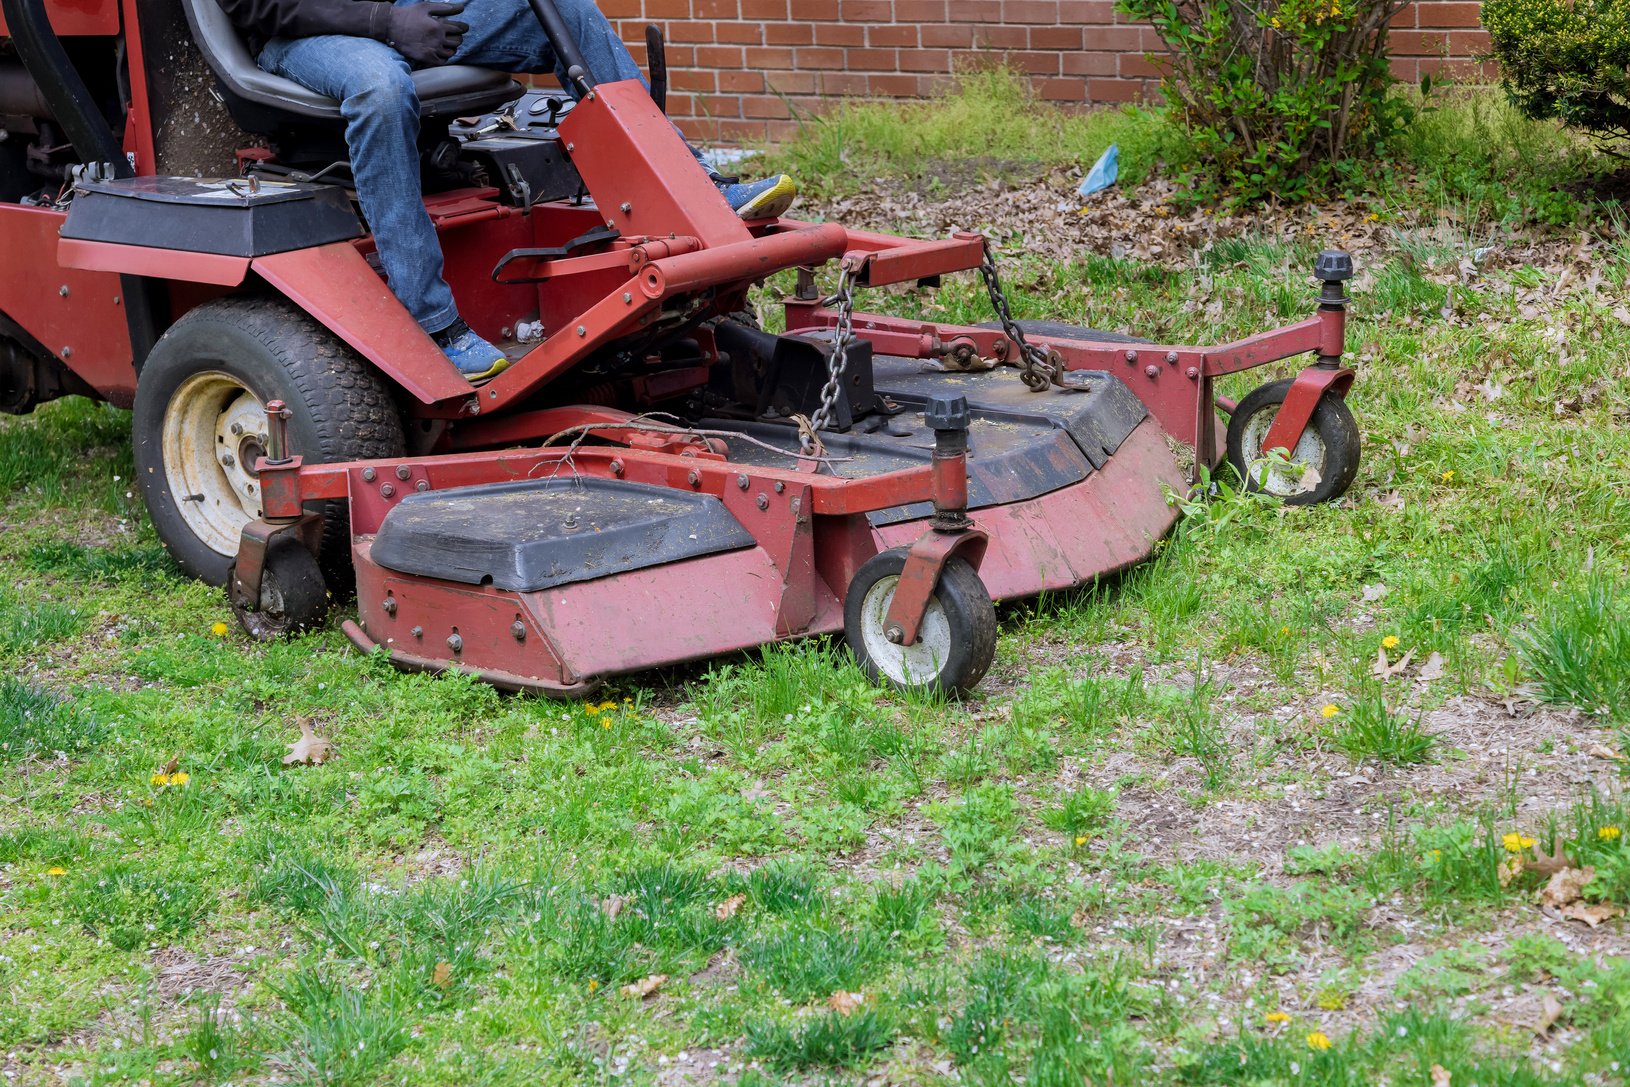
[(761, 199), (475, 358)]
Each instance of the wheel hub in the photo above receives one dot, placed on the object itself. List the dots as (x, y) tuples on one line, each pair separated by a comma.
[(214, 430), (1305, 471), (909, 665)]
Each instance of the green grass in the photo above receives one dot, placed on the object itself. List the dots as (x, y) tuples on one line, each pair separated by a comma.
[(1138, 838)]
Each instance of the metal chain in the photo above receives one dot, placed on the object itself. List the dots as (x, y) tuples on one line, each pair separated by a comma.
[(1036, 370), (844, 296)]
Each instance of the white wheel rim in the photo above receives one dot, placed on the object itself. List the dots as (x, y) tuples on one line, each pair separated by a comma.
[(214, 428), (1277, 479), (908, 665)]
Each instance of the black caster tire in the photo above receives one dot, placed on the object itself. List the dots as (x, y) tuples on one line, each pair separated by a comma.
[(957, 641), (293, 597), (200, 413), (1330, 446)]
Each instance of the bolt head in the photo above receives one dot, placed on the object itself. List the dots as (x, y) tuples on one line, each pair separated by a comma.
[(236, 428), (402, 471), (694, 477), (763, 501), (455, 642), (1151, 371), (389, 605), (1131, 356), (368, 475), (387, 490), (227, 460), (518, 629), (894, 634), (417, 632)]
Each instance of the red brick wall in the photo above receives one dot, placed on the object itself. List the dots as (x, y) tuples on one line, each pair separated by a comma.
[(738, 67)]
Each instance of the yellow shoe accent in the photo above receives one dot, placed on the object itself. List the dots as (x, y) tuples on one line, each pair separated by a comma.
[(772, 202)]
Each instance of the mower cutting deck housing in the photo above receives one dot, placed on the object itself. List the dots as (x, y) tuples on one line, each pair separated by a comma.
[(652, 480)]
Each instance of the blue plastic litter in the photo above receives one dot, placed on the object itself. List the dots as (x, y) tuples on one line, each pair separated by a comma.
[(1103, 172)]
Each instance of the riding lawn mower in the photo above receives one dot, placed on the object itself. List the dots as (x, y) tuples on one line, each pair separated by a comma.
[(655, 479)]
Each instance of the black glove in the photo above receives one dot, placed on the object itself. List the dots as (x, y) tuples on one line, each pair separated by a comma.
[(424, 35)]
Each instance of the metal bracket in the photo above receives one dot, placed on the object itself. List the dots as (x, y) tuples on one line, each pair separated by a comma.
[(258, 536), (924, 564), (1300, 401)]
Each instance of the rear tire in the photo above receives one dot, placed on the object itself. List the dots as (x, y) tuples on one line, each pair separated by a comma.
[(199, 422)]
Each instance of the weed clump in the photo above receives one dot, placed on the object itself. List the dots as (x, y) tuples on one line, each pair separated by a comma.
[(1578, 651)]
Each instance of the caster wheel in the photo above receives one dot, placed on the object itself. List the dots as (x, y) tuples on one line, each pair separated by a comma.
[(1324, 462), (957, 641), (293, 598)]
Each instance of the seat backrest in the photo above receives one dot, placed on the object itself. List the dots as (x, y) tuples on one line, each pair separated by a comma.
[(220, 42)]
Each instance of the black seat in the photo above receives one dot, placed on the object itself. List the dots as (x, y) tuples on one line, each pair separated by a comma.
[(261, 101)]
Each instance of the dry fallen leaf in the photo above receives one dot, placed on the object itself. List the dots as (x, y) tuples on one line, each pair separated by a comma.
[(1440, 1076), (1590, 915), (1509, 869), (1566, 886), (845, 1002), (1432, 669), (1387, 670), (612, 905), (1602, 751), (310, 748), (1548, 864), (725, 910), (442, 976), (1550, 1010), (169, 767), (645, 986)]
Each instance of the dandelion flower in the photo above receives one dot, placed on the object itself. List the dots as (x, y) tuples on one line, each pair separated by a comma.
[(158, 781), (1318, 1040), (219, 629), (1516, 843), (1284, 632), (1330, 710), (180, 777), (1608, 834), (1277, 1017), (592, 710), (1080, 839), (56, 870), (1449, 475), (605, 722), (1390, 642), (593, 985)]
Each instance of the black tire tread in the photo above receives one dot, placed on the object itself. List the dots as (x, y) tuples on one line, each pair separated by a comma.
[(350, 409)]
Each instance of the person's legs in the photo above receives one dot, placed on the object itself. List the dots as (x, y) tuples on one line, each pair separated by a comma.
[(381, 110)]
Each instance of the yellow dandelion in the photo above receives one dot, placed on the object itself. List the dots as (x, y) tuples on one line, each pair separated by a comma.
[(56, 870), (1284, 632), (1516, 843), (1080, 839), (1608, 834), (604, 706), (1435, 856), (219, 629), (593, 985), (1318, 1040), (592, 710), (1449, 475), (1390, 642), (1277, 1017), (1329, 710), (159, 781), (180, 777), (605, 722)]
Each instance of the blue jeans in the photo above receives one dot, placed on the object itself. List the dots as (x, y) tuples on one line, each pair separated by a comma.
[(381, 109)]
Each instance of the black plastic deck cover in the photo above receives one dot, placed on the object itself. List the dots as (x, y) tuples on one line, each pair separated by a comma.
[(539, 534), (1021, 444), (211, 215)]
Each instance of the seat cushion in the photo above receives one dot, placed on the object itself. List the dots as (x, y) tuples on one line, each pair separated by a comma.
[(450, 91)]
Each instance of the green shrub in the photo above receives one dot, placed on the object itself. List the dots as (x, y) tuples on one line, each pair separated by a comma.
[(1567, 59), (1277, 96)]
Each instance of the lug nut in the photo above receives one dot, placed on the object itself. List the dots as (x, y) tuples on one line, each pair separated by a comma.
[(227, 460), (237, 428)]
